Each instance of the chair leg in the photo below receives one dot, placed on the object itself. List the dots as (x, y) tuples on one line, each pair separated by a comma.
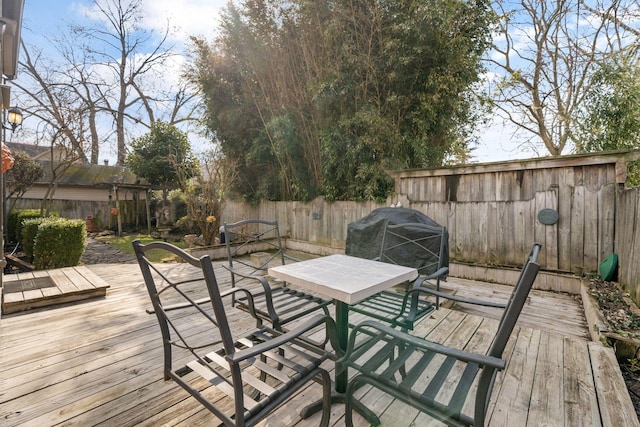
[(326, 335), (326, 399), (281, 353), (348, 405), (403, 370)]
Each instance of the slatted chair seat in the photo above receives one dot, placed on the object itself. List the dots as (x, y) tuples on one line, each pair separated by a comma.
[(417, 245), (253, 246), (451, 385), (247, 376)]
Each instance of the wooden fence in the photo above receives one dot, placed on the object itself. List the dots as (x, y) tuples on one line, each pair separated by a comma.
[(491, 211), (628, 240), (133, 214)]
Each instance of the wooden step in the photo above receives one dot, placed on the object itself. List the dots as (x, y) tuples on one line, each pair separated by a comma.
[(71, 284)]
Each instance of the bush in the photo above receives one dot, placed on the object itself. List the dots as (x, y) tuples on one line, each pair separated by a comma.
[(180, 208), (633, 174), (185, 225), (29, 232), (59, 243), (16, 217), (14, 222)]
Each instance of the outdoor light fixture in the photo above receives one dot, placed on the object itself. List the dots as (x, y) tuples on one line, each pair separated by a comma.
[(14, 117)]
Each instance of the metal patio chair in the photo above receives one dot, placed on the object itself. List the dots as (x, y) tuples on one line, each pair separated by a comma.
[(253, 246), (417, 245), (432, 377), (533, 254), (241, 379)]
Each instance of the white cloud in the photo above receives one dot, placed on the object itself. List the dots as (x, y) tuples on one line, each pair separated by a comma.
[(500, 141), (186, 18)]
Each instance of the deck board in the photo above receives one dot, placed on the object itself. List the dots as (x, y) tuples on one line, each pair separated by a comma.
[(71, 284), (581, 404), (613, 409), (547, 397), (567, 313), (98, 362)]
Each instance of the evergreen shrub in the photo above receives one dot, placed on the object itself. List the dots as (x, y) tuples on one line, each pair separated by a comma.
[(29, 231), (14, 222), (59, 243)]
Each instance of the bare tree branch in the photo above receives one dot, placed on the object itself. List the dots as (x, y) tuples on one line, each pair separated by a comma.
[(545, 53)]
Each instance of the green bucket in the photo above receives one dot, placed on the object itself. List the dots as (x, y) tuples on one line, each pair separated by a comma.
[(608, 267)]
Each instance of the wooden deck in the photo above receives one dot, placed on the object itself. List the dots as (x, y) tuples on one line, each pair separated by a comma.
[(98, 362), (64, 285)]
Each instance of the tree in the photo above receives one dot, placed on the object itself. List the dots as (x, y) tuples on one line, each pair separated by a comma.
[(204, 193), (61, 158), (160, 155), (609, 118), (402, 96), (105, 69), (545, 54), (118, 43), (21, 177), (314, 98), (51, 100), (63, 119), (230, 118)]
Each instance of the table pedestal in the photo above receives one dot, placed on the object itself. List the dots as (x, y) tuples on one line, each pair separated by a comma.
[(336, 397), (341, 374), (346, 280)]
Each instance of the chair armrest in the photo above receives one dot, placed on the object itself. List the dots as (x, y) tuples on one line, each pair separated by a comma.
[(207, 300), (250, 298), (457, 298), (403, 337), (440, 273), (249, 295), (238, 272), (289, 257), (410, 300), (181, 305), (266, 289), (289, 336)]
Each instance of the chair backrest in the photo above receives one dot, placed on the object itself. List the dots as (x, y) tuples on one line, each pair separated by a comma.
[(508, 321), (516, 301), (185, 293), (417, 245), (253, 236)]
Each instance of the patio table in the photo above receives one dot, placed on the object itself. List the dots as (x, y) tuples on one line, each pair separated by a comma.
[(347, 280)]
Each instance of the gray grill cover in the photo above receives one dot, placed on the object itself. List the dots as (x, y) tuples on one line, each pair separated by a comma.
[(364, 237)]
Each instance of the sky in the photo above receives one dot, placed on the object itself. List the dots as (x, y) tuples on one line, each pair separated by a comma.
[(46, 18), (190, 17)]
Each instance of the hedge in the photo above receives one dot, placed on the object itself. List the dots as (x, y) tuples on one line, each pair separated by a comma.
[(29, 231), (59, 243), (54, 242), (14, 222)]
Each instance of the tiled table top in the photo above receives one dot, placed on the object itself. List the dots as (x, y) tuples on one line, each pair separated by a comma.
[(342, 277)]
